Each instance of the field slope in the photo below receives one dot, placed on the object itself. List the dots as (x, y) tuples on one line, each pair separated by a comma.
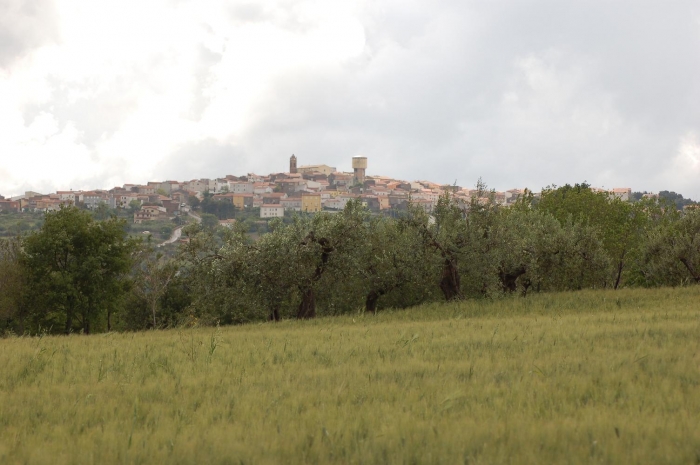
[(604, 377)]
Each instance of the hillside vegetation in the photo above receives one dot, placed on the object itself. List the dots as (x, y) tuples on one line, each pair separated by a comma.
[(576, 377), (80, 274)]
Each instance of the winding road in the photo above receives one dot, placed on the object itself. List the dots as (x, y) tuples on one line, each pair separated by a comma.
[(177, 233)]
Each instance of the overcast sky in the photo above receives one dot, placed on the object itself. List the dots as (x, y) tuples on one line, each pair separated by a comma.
[(96, 93)]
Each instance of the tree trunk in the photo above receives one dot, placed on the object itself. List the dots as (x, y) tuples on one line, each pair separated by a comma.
[(691, 269), (86, 318), (307, 307), (153, 310), (21, 323), (509, 281), (450, 281), (371, 302), (275, 314), (620, 265), (69, 318)]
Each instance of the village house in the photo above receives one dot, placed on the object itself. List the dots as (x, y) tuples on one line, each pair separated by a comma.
[(398, 199), (341, 179), (262, 188), (240, 201), (66, 196), (622, 193), (291, 185), (91, 199), (172, 207), (227, 223), (181, 196), (122, 199), (273, 197), (291, 203), (311, 202), (253, 178), (146, 190), (376, 203), (271, 210), (321, 169), (150, 213), (240, 187)]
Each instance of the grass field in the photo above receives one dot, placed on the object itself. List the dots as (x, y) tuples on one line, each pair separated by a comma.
[(587, 377)]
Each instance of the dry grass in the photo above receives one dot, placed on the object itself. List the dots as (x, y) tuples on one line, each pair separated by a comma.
[(604, 377)]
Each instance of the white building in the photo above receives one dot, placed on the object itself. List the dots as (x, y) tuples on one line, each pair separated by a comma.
[(271, 210), (622, 193), (240, 187), (291, 204)]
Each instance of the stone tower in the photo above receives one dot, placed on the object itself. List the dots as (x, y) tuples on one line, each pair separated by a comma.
[(293, 164), (359, 165)]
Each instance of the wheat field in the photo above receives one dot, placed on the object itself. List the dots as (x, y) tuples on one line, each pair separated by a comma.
[(586, 377)]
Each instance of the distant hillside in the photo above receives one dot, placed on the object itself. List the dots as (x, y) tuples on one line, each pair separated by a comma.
[(671, 196)]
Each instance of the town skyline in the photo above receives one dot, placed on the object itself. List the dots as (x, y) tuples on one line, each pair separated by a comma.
[(300, 188), (302, 166)]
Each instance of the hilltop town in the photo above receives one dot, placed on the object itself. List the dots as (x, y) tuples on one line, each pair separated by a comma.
[(305, 188)]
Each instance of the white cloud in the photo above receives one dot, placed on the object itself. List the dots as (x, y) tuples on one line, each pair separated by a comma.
[(520, 93), (133, 66), (683, 171)]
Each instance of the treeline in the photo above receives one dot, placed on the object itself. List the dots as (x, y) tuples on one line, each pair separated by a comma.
[(81, 275)]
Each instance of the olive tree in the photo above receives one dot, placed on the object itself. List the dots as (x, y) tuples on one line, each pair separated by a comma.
[(671, 252)]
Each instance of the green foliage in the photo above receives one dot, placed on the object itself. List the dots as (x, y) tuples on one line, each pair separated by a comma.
[(676, 199), (159, 229), (671, 253), (78, 273), (193, 201), (392, 266), (620, 225), (209, 221), (134, 206), (75, 267), (13, 311), (13, 223), (152, 275), (222, 209)]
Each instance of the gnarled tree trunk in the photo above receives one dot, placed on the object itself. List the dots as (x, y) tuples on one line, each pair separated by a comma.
[(371, 301), (275, 314), (691, 269), (509, 281), (450, 280), (307, 307)]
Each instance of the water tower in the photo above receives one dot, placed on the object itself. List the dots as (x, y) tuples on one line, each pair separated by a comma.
[(293, 164), (359, 165)]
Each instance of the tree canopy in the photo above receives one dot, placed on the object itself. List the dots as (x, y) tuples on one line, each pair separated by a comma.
[(82, 273), (76, 268)]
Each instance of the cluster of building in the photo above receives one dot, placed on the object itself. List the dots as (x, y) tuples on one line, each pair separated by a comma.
[(309, 188)]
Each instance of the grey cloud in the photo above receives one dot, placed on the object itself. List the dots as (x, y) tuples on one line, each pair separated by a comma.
[(285, 15), (203, 76), (617, 91), (25, 25), (203, 159), (249, 12), (97, 115), (522, 93)]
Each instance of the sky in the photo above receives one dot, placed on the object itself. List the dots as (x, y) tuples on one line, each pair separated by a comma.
[(521, 93)]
